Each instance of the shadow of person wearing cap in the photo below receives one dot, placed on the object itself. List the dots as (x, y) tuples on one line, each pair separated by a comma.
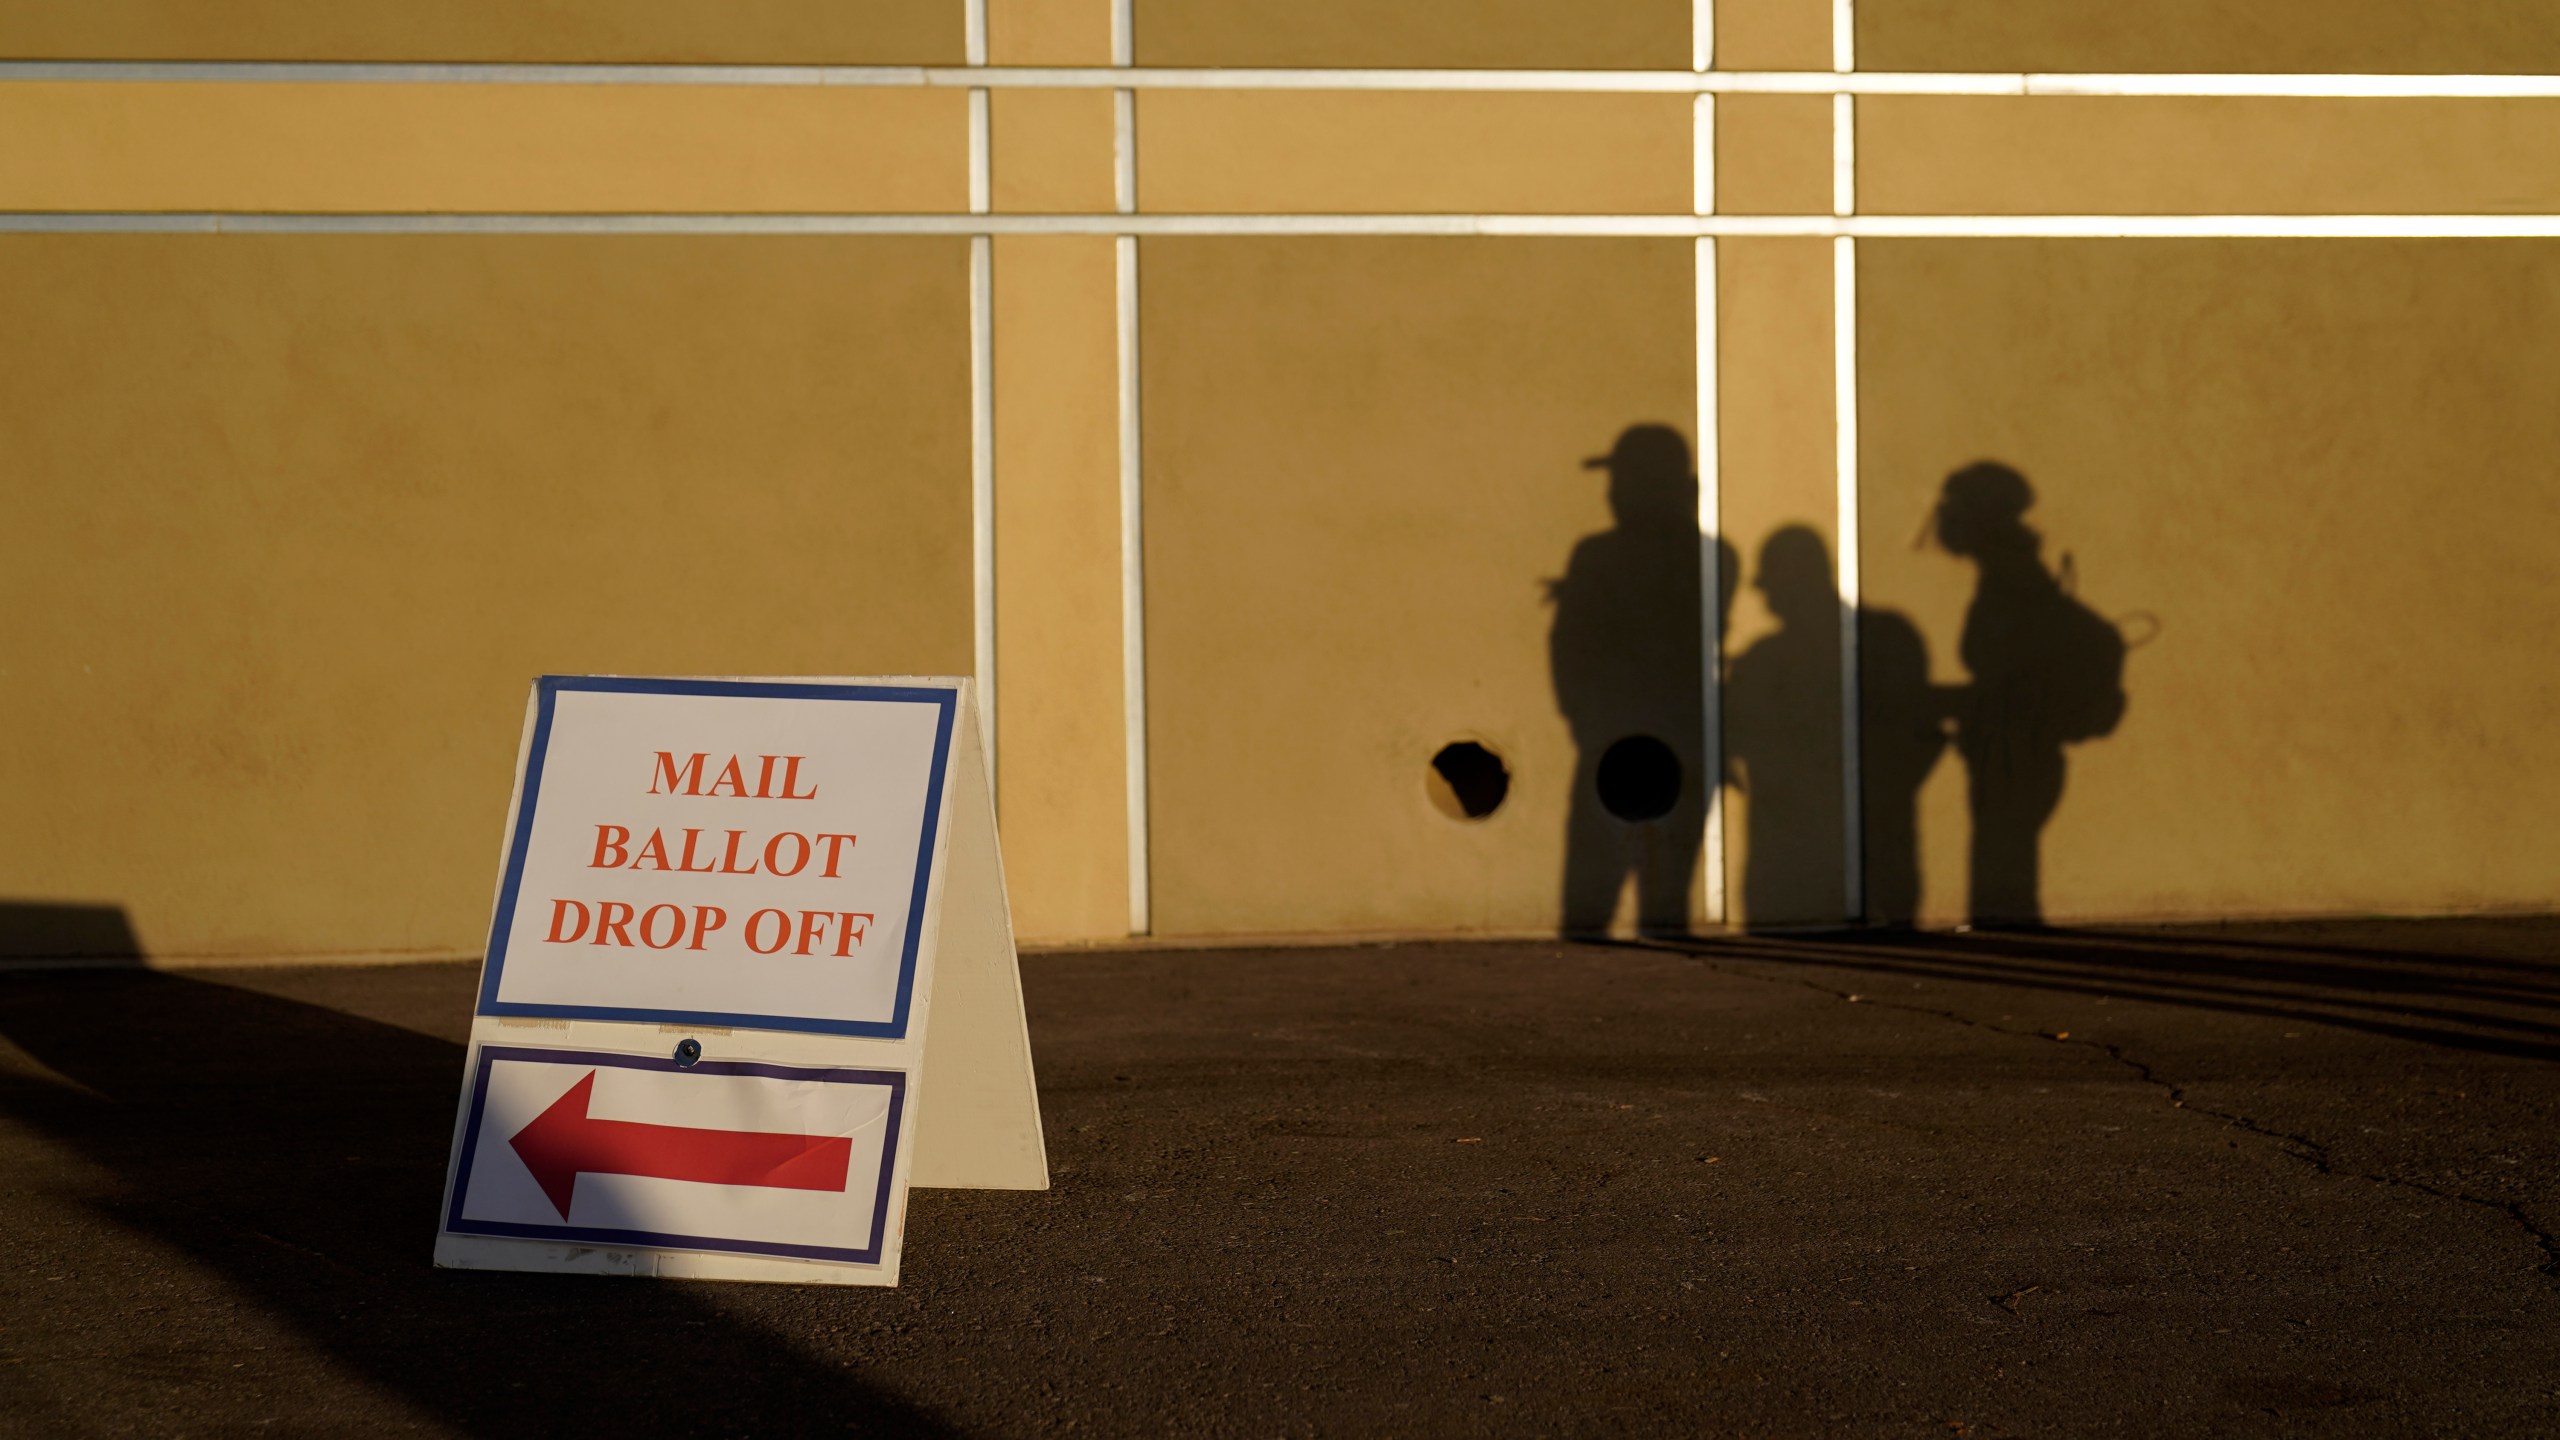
[(2046, 671), (1627, 658), (1782, 737), (1782, 746)]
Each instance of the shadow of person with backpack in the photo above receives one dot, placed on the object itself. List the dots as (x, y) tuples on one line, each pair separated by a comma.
[(2047, 672)]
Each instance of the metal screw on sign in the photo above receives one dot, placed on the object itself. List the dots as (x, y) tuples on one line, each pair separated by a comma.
[(688, 1051)]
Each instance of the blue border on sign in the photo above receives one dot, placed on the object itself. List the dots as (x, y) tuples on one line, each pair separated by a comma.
[(895, 1080), (548, 688)]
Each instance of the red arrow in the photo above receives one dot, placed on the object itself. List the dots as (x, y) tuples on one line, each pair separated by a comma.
[(563, 1143)]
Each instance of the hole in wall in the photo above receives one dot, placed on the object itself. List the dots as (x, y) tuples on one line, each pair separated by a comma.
[(1467, 781), (1639, 779)]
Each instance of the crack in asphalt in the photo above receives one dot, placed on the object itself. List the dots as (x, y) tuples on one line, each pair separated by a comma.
[(2304, 1148), (2316, 1153)]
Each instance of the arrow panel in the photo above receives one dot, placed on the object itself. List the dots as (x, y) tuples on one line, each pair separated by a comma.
[(608, 1149)]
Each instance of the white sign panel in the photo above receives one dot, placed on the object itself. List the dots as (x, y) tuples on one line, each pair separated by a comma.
[(722, 853), (726, 913)]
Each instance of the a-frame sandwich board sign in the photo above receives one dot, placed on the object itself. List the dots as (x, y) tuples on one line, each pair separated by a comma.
[(750, 975)]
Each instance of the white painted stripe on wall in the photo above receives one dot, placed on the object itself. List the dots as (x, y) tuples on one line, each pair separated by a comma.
[(1133, 555), (1702, 155), (1715, 907), (1124, 107), (1844, 155), (1123, 75), (2304, 87), (2235, 227), (1871, 227), (982, 485), (1133, 593), (1844, 368), (981, 154), (1711, 584), (1124, 151), (982, 393)]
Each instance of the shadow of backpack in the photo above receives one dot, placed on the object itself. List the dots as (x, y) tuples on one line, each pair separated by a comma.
[(2083, 665)]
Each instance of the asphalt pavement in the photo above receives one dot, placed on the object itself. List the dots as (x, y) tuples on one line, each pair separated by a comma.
[(2246, 1180)]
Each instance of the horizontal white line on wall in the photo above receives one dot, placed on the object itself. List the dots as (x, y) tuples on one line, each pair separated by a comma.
[(1680, 82), (2310, 87), (1882, 227)]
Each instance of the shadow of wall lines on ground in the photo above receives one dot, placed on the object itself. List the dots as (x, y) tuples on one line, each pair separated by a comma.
[(2420, 1004)]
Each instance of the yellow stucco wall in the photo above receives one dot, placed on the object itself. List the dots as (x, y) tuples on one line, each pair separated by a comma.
[(1364, 462), (1781, 707), (1053, 149), (2321, 472), (1567, 34), (1226, 151), (2319, 36), (1773, 154), (2087, 155), (459, 148), (295, 520), (1773, 34), (1061, 774), (294, 517)]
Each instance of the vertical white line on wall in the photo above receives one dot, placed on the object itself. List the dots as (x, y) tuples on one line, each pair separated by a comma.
[(1133, 586), (1124, 110), (1702, 192), (980, 164), (1702, 154), (1710, 583), (1124, 113), (981, 161), (982, 396), (982, 483), (1844, 360), (1124, 151), (1844, 347), (1844, 155), (1133, 591)]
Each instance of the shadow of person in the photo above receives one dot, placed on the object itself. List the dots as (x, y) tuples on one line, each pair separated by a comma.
[(1782, 737), (1782, 747), (2045, 671), (1627, 658), (1903, 733)]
